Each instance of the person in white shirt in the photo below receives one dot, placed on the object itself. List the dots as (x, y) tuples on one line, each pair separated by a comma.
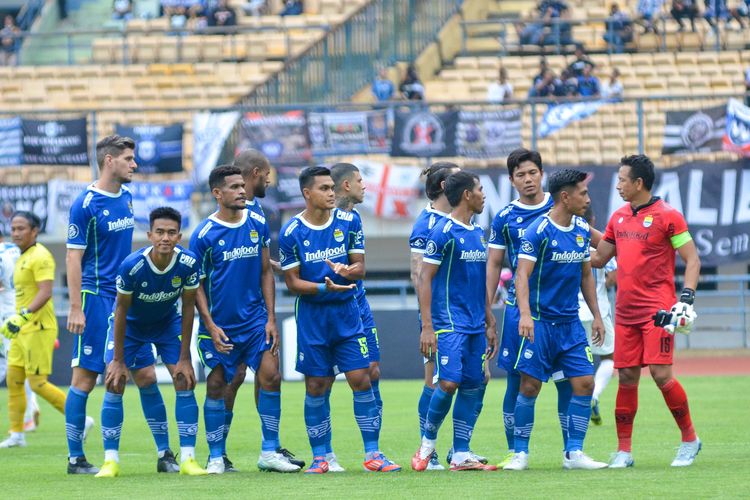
[(612, 89), (500, 90)]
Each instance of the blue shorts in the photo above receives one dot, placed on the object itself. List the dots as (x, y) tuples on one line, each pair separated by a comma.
[(371, 331), (510, 340), (249, 352), (557, 347), (88, 350), (330, 338), (460, 358), (142, 347)]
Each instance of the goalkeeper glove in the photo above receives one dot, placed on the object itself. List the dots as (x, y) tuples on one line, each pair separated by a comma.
[(13, 325), (682, 318)]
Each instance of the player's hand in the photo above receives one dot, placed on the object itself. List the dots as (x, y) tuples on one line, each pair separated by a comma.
[(8, 335), (492, 343), (275, 266), (220, 340), (344, 270), (184, 370), (272, 337), (14, 324), (428, 342), (682, 318), (526, 327), (597, 331), (335, 287), (117, 376), (76, 320)]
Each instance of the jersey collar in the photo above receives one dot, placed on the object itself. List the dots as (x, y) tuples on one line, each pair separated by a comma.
[(435, 211), (565, 229), (105, 193), (532, 207), (313, 226), (455, 221), (230, 225), (153, 267), (650, 202)]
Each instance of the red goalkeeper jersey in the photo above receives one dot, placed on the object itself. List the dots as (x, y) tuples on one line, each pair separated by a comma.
[(645, 241)]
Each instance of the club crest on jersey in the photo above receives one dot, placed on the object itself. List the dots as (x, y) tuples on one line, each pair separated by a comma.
[(527, 247), (492, 235), (648, 221), (176, 282), (119, 282), (338, 235), (484, 242), (443, 360), (431, 248), (254, 236), (130, 206), (528, 353), (579, 241), (72, 231)]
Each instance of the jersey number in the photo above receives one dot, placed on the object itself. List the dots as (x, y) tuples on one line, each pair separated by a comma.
[(589, 355), (666, 345), (363, 347)]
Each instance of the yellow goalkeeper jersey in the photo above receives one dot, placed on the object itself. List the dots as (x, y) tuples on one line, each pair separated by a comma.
[(34, 265)]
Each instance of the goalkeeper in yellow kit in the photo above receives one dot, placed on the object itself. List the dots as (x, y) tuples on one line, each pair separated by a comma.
[(33, 329)]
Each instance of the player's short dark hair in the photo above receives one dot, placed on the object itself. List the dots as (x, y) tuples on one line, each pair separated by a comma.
[(563, 180), (308, 175), (640, 166), (520, 155), (435, 174), (32, 218), (456, 184), (112, 145), (341, 172), (218, 175), (164, 213), (249, 160)]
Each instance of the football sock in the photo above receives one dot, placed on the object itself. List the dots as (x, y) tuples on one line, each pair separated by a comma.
[(186, 415), (112, 417), (602, 376), (579, 413), (677, 402), (509, 406), (213, 417), (31, 403), (564, 393), (368, 419), (424, 406), (464, 417), (626, 407), (269, 410), (440, 404), (376, 392), (75, 420), (15, 378), (524, 418), (156, 415), (318, 423), (480, 401), (48, 391), (329, 433), (228, 417)]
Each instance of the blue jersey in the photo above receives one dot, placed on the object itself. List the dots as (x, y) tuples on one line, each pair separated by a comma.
[(458, 288), (308, 246), (558, 253), (507, 229), (155, 292), (101, 224), (230, 259), (254, 206), (422, 227)]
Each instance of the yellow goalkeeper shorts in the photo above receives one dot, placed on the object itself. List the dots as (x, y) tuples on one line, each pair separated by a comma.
[(33, 351)]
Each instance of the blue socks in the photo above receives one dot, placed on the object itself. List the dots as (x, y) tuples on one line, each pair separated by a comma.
[(75, 420), (564, 393), (368, 419), (439, 406), (269, 410), (480, 401), (424, 406), (524, 417), (213, 415), (378, 402), (579, 412), (186, 414), (329, 434), (318, 423), (464, 417), (228, 417), (509, 407), (112, 416), (156, 415)]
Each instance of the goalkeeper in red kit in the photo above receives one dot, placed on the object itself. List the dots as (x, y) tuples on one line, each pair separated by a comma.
[(645, 234)]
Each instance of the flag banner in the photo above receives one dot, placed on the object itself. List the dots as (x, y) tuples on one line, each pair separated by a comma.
[(158, 148), (423, 134), (27, 197), (737, 134), (210, 132), (281, 137), (348, 132), (60, 197), (390, 190), (150, 195), (488, 134), (560, 115), (55, 142), (11, 149), (695, 131)]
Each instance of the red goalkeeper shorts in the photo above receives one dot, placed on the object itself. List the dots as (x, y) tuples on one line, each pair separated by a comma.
[(642, 344)]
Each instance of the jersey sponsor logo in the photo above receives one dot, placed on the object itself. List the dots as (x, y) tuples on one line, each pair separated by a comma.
[(187, 260), (358, 238), (258, 217), (527, 247), (521, 232), (568, 257), (291, 227), (648, 221), (338, 235), (347, 216), (106, 212), (418, 243), (192, 280), (619, 221), (242, 252), (631, 235), (136, 268), (121, 224), (282, 255), (254, 236), (73, 231), (323, 254), (160, 296), (473, 255), (431, 248), (519, 219), (119, 282), (579, 241), (493, 235), (176, 282), (554, 243)]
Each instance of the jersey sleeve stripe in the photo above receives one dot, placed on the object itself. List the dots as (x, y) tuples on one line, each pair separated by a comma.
[(76, 247), (192, 287), (432, 261), (124, 292), (290, 266), (355, 250), (417, 250), (495, 245), (527, 257), (681, 239)]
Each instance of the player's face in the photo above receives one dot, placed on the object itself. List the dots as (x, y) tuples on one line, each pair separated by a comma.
[(476, 198), (232, 194), (578, 199), (320, 194), (357, 187), (264, 180), (626, 186), (22, 233), (164, 235), (527, 179), (123, 166)]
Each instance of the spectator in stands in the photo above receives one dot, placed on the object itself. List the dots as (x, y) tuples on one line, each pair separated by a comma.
[(612, 89), (619, 29), (581, 61), (648, 14), (411, 86), (178, 16), (549, 85), (588, 84), (543, 67), (254, 8), (747, 87), (684, 9), (292, 8), (568, 84), (9, 37), (222, 15), (718, 10), (500, 90), (383, 88), (559, 30), (122, 10)]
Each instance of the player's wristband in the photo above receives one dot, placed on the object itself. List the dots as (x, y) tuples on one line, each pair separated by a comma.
[(321, 288), (687, 296)]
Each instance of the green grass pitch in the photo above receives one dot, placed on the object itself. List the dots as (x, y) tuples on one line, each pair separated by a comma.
[(720, 408)]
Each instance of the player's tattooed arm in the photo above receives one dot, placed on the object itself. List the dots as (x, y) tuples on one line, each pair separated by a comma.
[(604, 253), (526, 322), (117, 372), (427, 338), (76, 319), (415, 266), (588, 289), (494, 264)]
